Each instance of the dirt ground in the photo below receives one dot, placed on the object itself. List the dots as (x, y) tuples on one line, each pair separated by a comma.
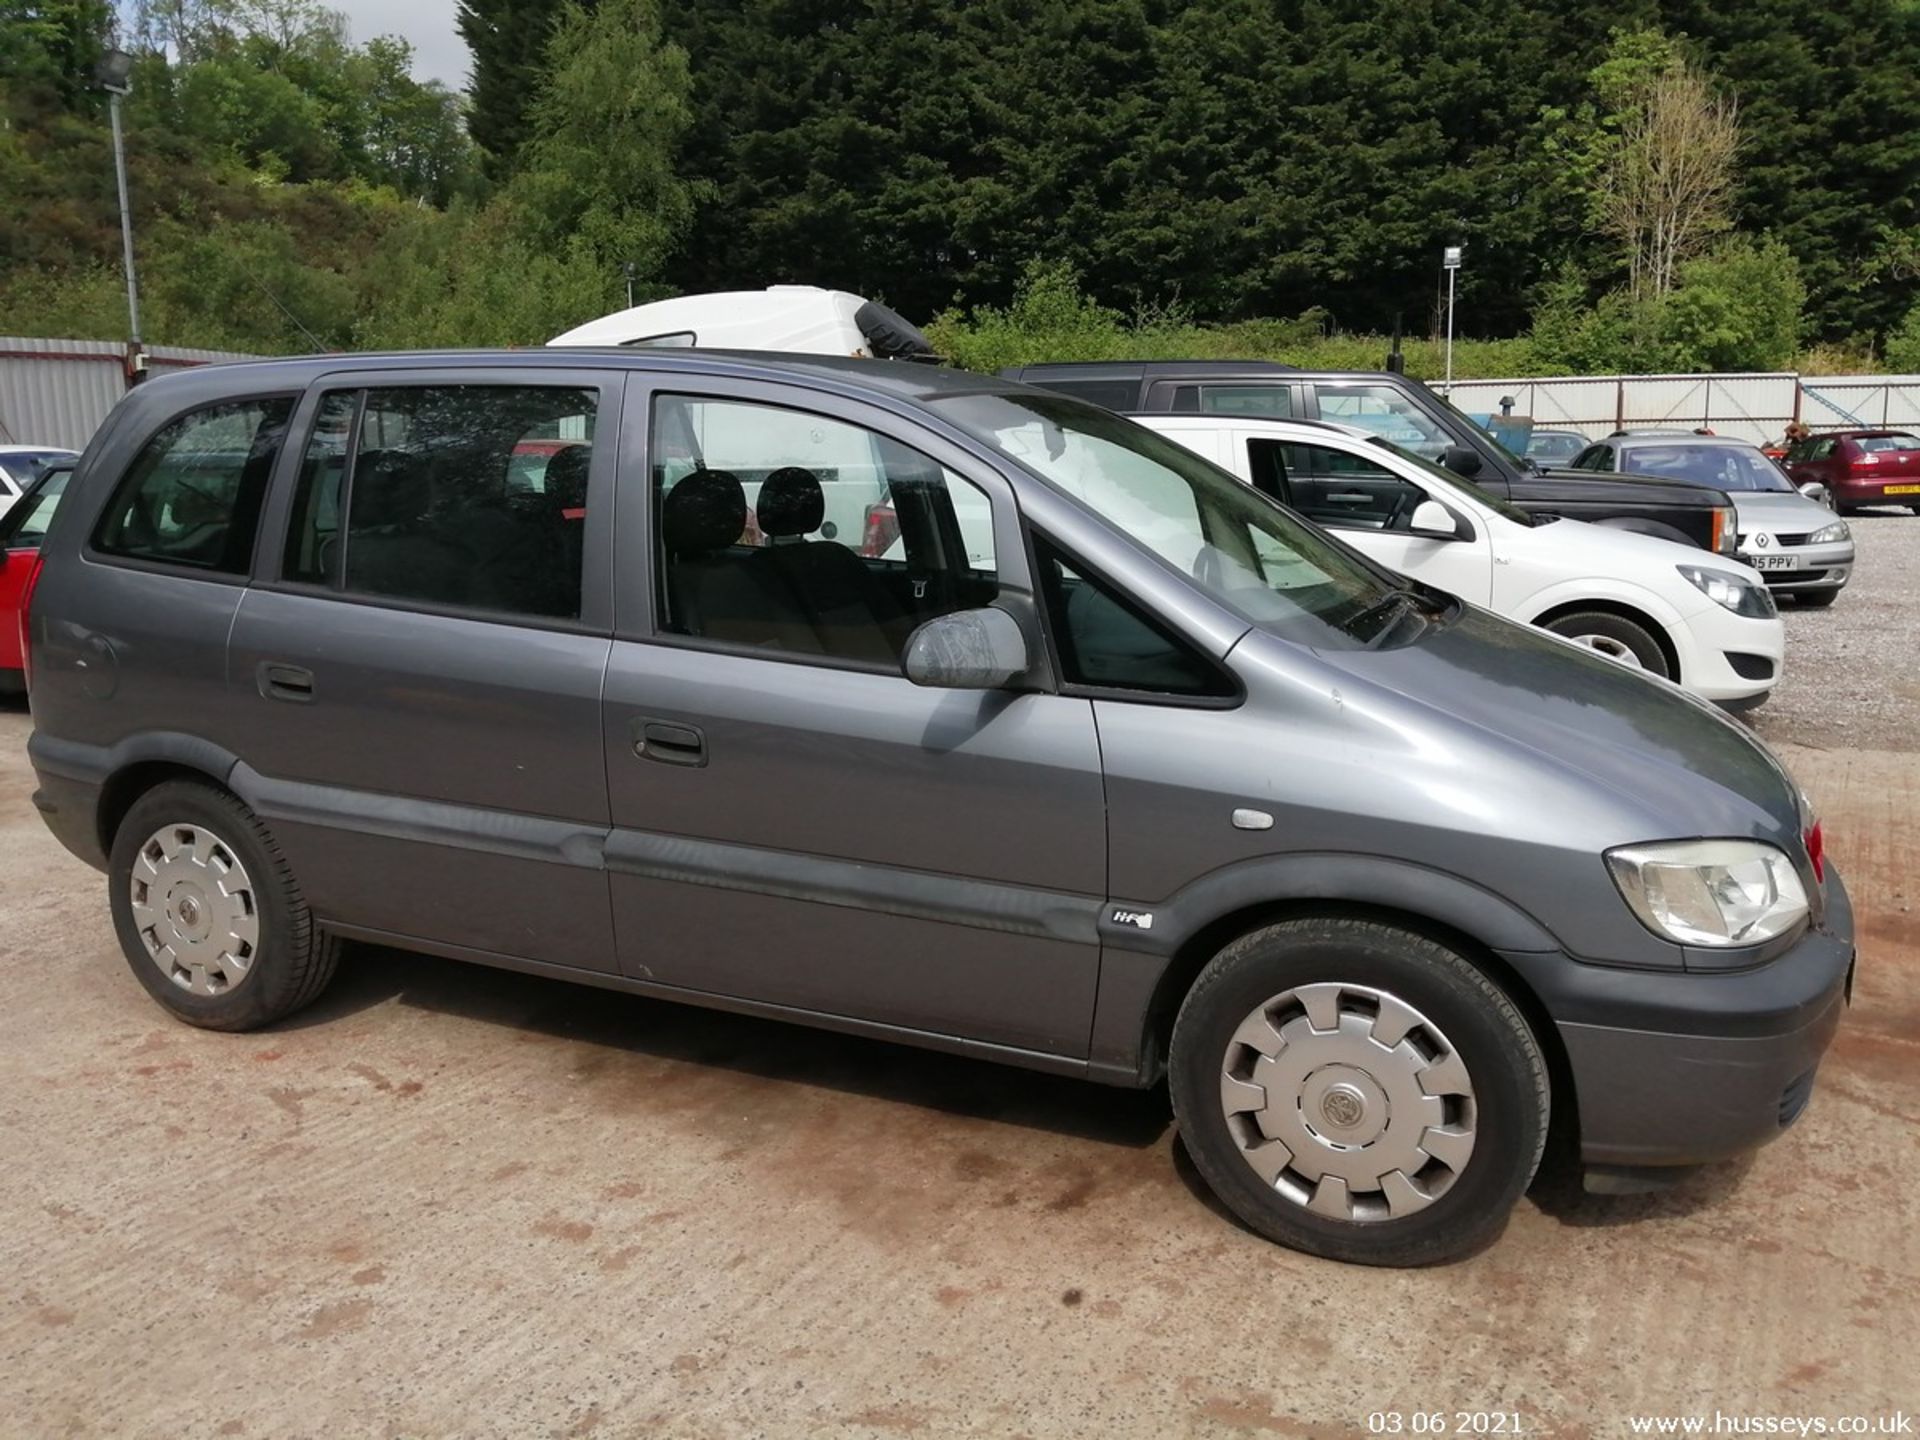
[(449, 1201)]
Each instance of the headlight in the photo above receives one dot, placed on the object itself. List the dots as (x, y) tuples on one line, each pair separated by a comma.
[(1710, 892), (1827, 534), (1735, 592)]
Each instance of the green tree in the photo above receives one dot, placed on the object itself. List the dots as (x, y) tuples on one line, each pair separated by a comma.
[(508, 40)]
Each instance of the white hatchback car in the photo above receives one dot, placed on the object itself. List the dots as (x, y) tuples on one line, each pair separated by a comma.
[(1674, 611)]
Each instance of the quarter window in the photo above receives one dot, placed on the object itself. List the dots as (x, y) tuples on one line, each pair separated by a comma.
[(469, 496), (193, 495), (791, 532), (1106, 642)]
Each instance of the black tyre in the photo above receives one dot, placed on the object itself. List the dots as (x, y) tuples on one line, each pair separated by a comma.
[(1616, 637), (1818, 599), (1358, 1092), (208, 913)]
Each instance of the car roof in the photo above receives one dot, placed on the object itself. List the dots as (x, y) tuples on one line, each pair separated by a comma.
[(1681, 437), (893, 378), (1866, 434), (1154, 369)]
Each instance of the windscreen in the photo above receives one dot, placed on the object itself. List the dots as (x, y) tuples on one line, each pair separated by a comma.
[(1260, 560), (1724, 467)]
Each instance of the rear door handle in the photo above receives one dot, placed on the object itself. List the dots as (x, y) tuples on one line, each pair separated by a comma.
[(669, 742), (285, 682)]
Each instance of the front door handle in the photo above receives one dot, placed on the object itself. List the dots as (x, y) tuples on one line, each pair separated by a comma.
[(285, 682), (1350, 497), (669, 742)]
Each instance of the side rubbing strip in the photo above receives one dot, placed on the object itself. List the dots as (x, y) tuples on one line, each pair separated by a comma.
[(979, 904), (430, 822)]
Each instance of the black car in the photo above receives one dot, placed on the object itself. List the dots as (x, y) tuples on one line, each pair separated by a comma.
[(1413, 417)]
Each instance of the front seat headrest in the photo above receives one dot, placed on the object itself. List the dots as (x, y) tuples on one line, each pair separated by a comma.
[(565, 480), (704, 512), (390, 487), (791, 503)]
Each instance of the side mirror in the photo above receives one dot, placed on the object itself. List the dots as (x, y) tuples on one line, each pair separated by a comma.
[(1813, 490), (967, 650), (1434, 521), (1461, 460)]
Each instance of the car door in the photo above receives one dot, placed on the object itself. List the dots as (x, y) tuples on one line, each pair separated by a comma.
[(418, 669), (795, 824), (1369, 504)]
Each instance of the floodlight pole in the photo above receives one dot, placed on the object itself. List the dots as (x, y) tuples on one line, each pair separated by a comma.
[(1450, 261), (126, 214)]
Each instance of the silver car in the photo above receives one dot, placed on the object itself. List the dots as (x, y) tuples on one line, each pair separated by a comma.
[(1797, 543)]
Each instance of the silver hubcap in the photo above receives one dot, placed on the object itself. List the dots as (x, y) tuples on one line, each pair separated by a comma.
[(1349, 1102), (1611, 648), (194, 907)]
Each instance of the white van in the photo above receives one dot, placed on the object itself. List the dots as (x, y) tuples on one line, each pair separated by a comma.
[(794, 319)]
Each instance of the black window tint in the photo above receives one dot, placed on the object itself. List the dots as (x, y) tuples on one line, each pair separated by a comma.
[(1122, 395), (1186, 400), (1271, 401), (468, 496), (1106, 641), (794, 532), (193, 495)]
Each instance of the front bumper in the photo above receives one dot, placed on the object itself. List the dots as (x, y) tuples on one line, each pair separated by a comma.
[(1686, 1067), (1724, 656), (1822, 567)]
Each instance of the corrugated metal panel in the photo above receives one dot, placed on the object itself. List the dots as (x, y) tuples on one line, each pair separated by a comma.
[(56, 392)]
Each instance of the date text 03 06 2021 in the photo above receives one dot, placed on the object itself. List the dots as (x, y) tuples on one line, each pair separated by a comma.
[(1444, 1422)]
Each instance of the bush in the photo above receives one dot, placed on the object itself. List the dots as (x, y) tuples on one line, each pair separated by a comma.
[(1903, 345)]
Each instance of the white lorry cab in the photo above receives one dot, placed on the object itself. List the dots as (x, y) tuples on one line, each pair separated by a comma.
[(795, 319)]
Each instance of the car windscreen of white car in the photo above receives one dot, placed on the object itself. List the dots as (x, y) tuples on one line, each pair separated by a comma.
[(1256, 558), (1724, 467)]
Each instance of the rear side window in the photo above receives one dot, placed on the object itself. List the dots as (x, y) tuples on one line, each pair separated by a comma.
[(471, 497), (1112, 394), (192, 496), (1271, 401)]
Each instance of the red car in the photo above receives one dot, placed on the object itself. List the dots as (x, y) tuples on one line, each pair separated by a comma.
[(1860, 467), (21, 529)]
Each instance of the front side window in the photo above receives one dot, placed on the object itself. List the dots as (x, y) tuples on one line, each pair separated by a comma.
[(1335, 487), (792, 532), (192, 496), (1235, 544), (471, 497), (1596, 457)]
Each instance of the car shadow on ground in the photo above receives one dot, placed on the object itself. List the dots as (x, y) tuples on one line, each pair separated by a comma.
[(767, 1050)]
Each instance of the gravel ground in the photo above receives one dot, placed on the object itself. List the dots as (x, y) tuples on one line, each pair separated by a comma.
[(1852, 676)]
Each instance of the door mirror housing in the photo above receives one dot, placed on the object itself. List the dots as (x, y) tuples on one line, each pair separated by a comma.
[(1461, 460), (1813, 490), (1434, 521), (967, 650)]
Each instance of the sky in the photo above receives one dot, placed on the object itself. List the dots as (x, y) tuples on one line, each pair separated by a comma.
[(438, 51)]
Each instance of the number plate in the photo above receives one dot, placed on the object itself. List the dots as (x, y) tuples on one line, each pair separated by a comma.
[(1901, 490), (1774, 562)]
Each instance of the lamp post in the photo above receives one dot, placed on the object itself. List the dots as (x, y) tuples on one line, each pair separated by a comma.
[(1450, 262), (114, 74)]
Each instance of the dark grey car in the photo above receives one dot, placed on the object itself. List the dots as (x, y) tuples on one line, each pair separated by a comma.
[(929, 707)]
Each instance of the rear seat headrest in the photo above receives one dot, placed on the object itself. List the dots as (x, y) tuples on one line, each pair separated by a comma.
[(791, 503), (704, 512)]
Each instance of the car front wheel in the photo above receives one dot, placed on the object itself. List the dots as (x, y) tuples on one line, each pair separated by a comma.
[(207, 911), (1359, 1092), (1616, 637)]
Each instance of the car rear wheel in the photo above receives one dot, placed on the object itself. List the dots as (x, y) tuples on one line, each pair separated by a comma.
[(1617, 638), (208, 914), (1358, 1092)]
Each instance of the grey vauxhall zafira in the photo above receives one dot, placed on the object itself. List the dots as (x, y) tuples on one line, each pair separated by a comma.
[(930, 707)]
